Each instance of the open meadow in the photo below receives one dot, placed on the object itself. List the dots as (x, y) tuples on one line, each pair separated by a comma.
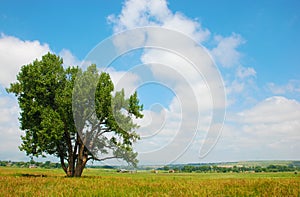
[(95, 182)]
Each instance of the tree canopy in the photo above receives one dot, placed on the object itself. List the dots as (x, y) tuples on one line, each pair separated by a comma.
[(74, 114)]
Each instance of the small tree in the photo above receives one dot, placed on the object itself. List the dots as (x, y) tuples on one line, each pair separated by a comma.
[(74, 115)]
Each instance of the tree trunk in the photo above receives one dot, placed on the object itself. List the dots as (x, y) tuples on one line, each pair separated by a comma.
[(81, 161), (76, 160), (79, 169), (76, 170), (71, 167), (63, 165)]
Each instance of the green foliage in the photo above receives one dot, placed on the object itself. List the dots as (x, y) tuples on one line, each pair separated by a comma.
[(166, 168), (73, 114), (37, 89), (98, 114), (22, 164)]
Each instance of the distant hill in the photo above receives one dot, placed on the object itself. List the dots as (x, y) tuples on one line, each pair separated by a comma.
[(262, 163), (246, 164)]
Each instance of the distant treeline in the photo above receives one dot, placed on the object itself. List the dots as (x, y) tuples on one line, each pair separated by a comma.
[(30, 164), (224, 169), (293, 166)]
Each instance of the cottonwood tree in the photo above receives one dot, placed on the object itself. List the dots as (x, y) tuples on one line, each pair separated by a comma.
[(74, 114)]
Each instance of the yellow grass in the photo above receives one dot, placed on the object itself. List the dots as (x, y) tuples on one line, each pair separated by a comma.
[(41, 182)]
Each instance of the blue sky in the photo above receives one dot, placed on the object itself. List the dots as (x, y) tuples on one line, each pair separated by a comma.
[(255, 46), (79, 26)]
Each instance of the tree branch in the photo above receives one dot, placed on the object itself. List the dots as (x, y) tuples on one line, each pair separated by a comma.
[(105, 131), (105, 158), (63, 165), (75, 148)]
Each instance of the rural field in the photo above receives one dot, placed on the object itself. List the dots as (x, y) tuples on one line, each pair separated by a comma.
[(96, 182)]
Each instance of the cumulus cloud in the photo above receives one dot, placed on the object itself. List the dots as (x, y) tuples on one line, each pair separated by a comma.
[(226, 53), (249, 132), (269, 130), (156, 13), (69, 58), (140, 13), (243, 81), (14, 53), (188, 81), (123, 80), (293, 86), (243, 72), (271, 111), (239, 90), (9, 128), (266, 131)]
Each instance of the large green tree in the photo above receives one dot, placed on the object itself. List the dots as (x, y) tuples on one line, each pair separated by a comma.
[(74, 114)]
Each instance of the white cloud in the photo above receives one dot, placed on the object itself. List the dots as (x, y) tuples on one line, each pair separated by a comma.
[(15, 53), (194, 94), (243, 72), (192, 28), (9, 129), (226, 52), (187, 81), (293, 86), (271, 110), (156, 13), (269, 130), (123, 80), (69, 58), (180, 75), (133, 15), (140, 13), (240, 86), (235, 87)]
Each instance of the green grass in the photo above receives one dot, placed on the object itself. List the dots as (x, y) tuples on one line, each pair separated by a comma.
[(95, 182)]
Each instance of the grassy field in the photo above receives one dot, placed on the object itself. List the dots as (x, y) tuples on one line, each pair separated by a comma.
[(43, 182)]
